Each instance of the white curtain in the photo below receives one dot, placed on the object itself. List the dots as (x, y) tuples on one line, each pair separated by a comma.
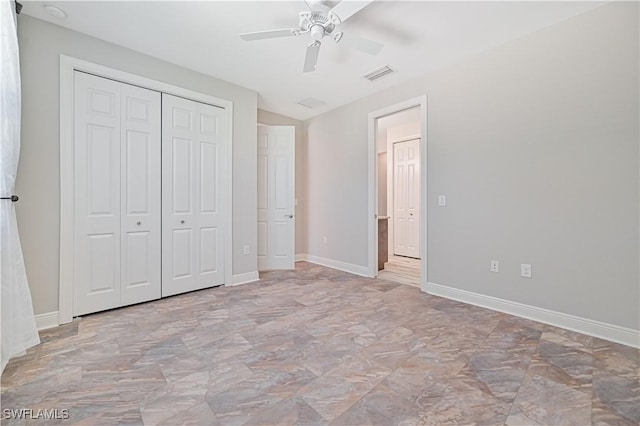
[(18, 326)]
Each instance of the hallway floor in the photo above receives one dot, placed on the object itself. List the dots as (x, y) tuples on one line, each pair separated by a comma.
[(403, 270), (319, 346)]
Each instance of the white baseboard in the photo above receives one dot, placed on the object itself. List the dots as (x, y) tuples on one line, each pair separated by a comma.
[(611, 332), (363, 271), (47, 320), (246, 278)]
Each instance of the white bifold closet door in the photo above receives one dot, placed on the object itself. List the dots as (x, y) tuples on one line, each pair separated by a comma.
[(193, 137), (117, 194)]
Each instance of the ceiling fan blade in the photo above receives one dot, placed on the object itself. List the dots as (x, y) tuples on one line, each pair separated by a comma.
[(362, 44), (261, 35), (346, 9), (311, 58)]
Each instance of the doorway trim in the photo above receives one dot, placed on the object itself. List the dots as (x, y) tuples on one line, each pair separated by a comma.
[(420, 101), (68, 65)]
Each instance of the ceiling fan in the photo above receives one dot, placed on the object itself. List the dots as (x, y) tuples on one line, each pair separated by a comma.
[(321, 21)]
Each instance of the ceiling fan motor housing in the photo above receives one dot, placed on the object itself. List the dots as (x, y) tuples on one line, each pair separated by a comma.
[(317, 32), (316, 23)]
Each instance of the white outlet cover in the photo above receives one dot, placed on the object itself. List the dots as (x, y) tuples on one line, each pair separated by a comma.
[(442, 200), (525, 270), (494, 266)]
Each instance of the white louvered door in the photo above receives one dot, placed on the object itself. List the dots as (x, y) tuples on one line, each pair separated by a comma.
[(117, 194), (193, 201)]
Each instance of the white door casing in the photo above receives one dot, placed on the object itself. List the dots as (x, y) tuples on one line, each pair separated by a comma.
[(117, 154), (276, 197), (372, 195), (193, 195), (406, 198)]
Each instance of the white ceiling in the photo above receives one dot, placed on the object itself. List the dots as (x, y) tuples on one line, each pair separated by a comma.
[(418, 37)]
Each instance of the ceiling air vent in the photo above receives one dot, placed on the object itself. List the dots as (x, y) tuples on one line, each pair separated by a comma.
[(379, 73), (311, 102)]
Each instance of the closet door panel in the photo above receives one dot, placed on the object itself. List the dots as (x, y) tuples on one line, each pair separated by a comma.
[(210, 137), (208, 250), (140, 190), (182, 175), (97, 194), (178, 220), (181, 248), (192, 195)]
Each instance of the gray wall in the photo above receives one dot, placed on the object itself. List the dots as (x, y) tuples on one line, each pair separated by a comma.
[(38, 180), (273, 119), (536, 145)]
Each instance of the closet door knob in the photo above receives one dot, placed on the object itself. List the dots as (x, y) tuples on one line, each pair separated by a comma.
[(182, 222), (138, 223)]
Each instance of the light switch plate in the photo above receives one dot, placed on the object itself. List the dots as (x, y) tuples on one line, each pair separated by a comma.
[(442, 200), (525, 270)]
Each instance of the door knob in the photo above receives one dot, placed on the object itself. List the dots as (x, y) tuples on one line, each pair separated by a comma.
[(182, 221), (290, 216), (138, 223)]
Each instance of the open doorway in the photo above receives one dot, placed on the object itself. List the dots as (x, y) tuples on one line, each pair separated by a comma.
[(398, 150), (398, 190)]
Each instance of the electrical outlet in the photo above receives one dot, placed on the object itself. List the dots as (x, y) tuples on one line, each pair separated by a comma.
[(495, 266), (246, 250), (442, 200), (525, 270), (324, 240)]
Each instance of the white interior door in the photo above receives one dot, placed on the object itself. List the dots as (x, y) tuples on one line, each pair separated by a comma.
[(276, 197), (406, 198), (141, 209), (117, 194), (193, 176), (97, 194)]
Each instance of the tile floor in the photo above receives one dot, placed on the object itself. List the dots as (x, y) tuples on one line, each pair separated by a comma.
[(319, 346)]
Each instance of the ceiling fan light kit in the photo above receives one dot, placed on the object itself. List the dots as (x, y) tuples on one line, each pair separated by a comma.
[(320, 22)]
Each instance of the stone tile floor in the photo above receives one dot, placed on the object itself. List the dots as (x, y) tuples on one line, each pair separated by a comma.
[(319, 346)]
